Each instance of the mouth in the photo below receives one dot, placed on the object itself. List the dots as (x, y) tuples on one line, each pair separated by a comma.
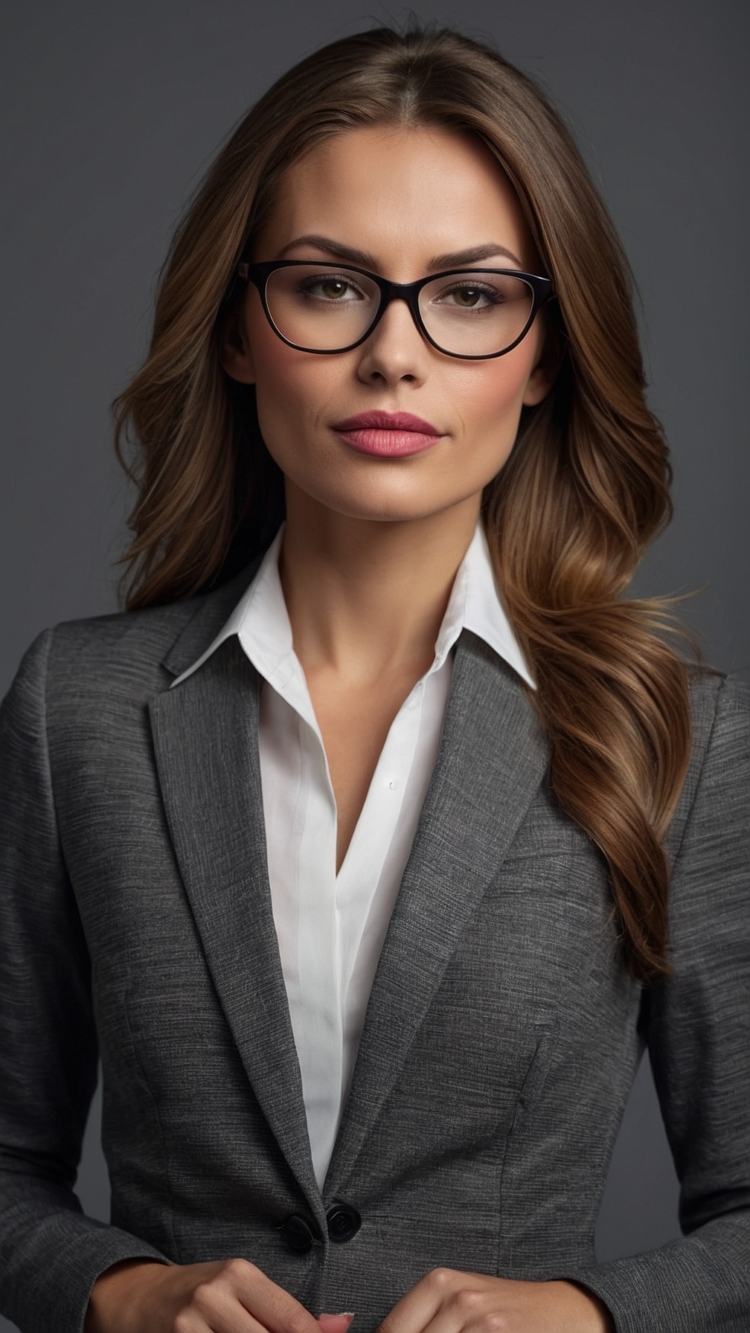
[(388, 434)]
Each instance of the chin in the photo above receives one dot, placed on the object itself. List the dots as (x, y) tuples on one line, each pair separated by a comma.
[(369, 506)]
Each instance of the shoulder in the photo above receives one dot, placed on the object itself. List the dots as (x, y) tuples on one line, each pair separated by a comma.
[(124, 655), (715, 798), (720, 716), (715, 693), (121, 653), (126, 649)]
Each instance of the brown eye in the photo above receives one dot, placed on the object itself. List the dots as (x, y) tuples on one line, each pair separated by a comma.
[(467, 296), (333, 288)]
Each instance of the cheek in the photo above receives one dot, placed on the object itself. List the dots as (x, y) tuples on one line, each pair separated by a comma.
[(290, 385), (293, 392), (488, 396)]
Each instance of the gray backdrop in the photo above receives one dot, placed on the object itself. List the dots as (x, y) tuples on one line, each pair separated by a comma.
[(113, 111)]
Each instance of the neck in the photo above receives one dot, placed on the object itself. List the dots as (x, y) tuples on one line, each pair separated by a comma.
[(366, 597)]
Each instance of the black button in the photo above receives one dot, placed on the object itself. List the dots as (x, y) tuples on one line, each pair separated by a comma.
[(300, 1233), (343, 1222)]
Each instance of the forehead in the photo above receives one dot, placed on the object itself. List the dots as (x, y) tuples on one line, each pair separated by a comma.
[(404, 190)]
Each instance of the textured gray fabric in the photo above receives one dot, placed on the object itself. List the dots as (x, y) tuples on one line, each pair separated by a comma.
[(501, 1037)]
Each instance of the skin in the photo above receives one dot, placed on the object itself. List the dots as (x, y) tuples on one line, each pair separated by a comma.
[(370, 552)]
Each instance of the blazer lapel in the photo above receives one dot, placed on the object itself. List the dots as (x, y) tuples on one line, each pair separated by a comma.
[(492, 758), (205, 735)]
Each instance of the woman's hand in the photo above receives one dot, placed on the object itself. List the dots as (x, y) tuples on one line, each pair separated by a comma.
[(447, 1301), (228, 1296)]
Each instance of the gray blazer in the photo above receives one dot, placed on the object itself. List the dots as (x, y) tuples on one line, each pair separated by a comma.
[(501, 1037)]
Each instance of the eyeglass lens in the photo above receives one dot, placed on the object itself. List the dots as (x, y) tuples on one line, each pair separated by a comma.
[(467, 314)]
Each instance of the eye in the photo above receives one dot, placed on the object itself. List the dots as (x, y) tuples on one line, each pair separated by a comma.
[(470, 296), (332, 287)]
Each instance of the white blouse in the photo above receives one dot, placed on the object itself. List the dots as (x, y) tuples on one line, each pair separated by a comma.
[(331, 927)]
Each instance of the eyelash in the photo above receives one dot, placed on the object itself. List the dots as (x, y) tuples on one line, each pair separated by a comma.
[(490, 292), (310, 283)]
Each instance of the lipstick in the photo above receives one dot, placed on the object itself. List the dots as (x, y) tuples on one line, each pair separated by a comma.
[(388, 434)]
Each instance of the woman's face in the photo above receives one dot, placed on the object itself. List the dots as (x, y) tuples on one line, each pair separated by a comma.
[(406, 200)]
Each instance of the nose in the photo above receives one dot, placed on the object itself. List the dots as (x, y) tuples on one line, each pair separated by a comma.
[(395, 350)]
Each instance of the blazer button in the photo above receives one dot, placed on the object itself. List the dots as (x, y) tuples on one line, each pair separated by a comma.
[(343, 1222), (300, 1233)]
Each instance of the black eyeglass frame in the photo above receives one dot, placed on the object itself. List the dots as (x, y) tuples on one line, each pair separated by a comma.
[(259, 273)]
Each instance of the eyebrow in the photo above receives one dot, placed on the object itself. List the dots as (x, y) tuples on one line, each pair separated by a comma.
[(364, 259)]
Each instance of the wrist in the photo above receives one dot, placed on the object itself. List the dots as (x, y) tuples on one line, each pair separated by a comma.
[(588, 1314), (113, 1299)]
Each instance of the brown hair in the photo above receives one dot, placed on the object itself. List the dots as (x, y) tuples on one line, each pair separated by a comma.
[(568, 517)]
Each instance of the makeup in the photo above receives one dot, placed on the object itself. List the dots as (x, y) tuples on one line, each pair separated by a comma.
[(388, 434)]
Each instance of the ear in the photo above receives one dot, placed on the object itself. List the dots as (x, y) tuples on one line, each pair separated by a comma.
[(538, 385), (544, 374), (234, 347)]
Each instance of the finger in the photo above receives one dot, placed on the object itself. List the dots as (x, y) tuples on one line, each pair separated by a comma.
[(217, 1309), (463, 1311), (272, 1307), (419, 1306), (335, 1323)]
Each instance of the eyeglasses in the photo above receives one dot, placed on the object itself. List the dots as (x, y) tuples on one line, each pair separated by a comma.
[(472, 313)]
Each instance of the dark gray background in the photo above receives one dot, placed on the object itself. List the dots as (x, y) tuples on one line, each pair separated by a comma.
[(112, 113)]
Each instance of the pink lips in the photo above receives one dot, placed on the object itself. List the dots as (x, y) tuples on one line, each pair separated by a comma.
[(388, 434)]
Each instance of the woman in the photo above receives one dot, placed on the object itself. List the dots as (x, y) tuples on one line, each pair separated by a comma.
[(374, 840)]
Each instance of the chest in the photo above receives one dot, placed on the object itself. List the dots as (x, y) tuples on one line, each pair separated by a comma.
[(502, 918), (355, 719)]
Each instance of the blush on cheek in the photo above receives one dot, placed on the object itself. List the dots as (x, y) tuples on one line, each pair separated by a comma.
[(295, 391), (493, 399), (289, 414)]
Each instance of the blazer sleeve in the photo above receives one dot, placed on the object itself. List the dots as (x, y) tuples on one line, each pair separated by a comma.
[(697, 1026), (50, 1253)]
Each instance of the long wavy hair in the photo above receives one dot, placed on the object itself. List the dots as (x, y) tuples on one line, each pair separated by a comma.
[(569, 516)]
